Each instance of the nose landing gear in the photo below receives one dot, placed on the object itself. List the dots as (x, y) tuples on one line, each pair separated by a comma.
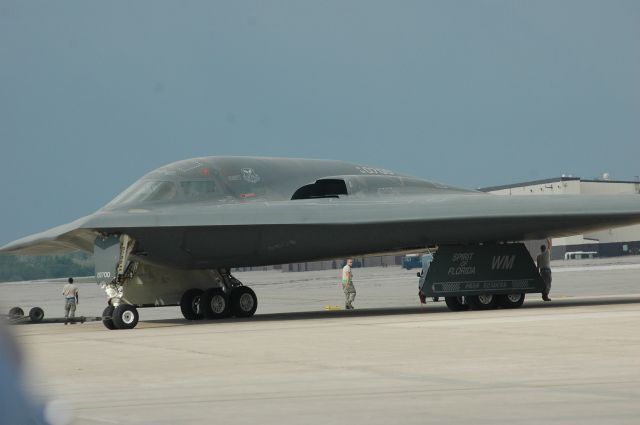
[(124, 316)]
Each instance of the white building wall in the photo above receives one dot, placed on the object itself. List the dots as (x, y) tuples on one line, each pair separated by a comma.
[(576, 187), (557, 187), (620, 234), (608, 188)]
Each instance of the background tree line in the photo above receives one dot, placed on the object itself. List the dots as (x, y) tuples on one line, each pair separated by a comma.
[(14, 269)]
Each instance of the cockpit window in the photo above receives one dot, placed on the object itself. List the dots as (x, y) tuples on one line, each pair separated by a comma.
[(161, 191), (146, 191), (198, 189), (155, 191)]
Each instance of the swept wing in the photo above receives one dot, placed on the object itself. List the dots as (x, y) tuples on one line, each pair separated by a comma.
[(241, 234)]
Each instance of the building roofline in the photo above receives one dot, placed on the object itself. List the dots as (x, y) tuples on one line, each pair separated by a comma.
[(610, 181), (528, 183), (552, 180)]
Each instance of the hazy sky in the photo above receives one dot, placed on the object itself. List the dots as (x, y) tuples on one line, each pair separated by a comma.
[(93, 94)]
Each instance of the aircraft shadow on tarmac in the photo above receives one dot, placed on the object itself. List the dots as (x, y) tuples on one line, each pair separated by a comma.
[(430, 308)]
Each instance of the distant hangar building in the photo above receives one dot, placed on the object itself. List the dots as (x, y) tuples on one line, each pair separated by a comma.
[(607, 243)]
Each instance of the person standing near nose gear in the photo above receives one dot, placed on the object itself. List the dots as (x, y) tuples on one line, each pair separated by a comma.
[(347, 285), (71, 299)]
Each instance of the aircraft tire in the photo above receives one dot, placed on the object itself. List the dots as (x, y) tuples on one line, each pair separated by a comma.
[(190, 304), (36, 314), (107, 318), (482, 302), (456, 303), (16, 313), (214, 304), (125, 316), (244, 301), (510, 300)]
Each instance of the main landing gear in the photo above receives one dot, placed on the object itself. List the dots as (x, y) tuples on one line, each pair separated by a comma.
[(232, 299), (214, 303)]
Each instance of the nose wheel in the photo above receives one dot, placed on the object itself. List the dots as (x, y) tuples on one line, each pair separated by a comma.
[(107, 318), (124, 316)]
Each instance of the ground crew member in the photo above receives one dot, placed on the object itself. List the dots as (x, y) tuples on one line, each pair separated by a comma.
[(347, 285), (71, 299), (544, 267)]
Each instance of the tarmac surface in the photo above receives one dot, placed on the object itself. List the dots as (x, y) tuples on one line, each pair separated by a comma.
[(575, 360)]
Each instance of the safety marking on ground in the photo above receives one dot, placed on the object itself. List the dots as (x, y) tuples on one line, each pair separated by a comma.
[(332, 307)]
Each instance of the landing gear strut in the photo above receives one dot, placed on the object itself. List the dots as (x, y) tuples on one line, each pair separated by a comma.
[(113, 271)]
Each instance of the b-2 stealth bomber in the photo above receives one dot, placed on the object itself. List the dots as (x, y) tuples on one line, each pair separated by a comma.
[(174, 236)]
